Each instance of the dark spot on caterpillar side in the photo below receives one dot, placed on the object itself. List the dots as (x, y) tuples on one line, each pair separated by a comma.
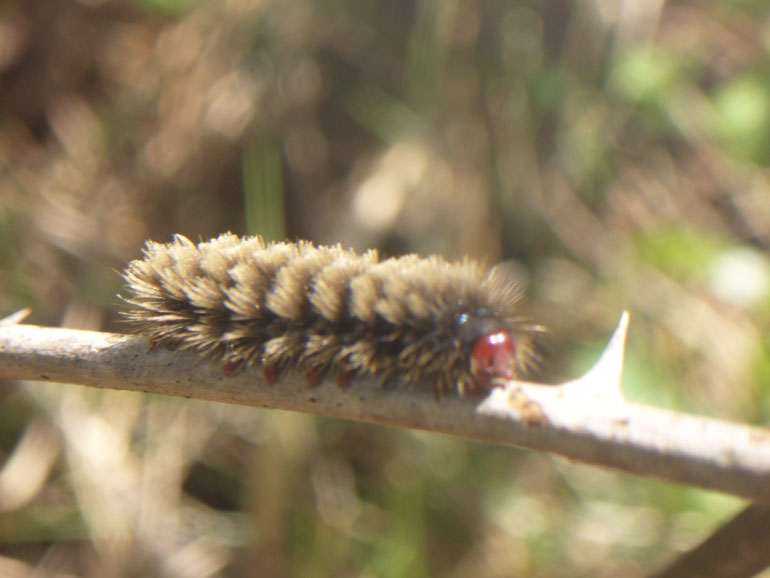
[(324, 310), (313, 378), (270, 373), (344, 379), (231, 368)]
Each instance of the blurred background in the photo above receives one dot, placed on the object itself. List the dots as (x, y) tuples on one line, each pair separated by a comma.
[(616, 152)]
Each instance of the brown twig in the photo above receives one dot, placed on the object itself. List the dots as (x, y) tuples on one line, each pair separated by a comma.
[(739, 549)]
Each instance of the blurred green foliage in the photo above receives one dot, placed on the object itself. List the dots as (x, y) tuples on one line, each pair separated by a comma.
[(166, 7), (743, 104), (681, 252)]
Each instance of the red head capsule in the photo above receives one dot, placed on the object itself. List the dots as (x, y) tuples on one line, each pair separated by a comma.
[(493, 357)]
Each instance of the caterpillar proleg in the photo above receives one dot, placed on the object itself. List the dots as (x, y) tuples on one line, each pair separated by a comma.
[(327, 310)]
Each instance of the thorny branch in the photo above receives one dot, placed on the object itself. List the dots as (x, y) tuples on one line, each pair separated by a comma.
[(586, 420)]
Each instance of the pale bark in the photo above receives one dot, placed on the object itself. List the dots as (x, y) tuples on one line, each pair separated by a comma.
[(585, 420)]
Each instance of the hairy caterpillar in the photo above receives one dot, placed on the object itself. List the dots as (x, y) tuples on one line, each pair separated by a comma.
[(322, 309)]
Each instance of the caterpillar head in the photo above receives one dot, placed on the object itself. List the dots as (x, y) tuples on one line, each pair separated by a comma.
[(493, 358), (493, 352)]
